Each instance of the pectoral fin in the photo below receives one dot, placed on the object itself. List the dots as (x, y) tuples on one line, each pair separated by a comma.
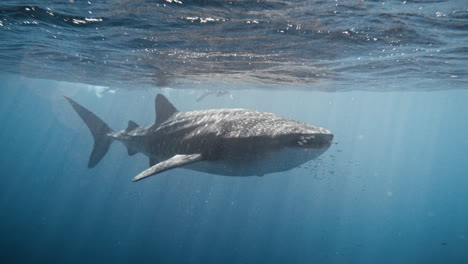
[(176, 161)]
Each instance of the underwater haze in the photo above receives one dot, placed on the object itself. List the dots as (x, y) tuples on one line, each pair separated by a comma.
[(389, 79)]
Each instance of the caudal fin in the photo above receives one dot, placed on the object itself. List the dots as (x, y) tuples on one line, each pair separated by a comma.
[(98, 128)]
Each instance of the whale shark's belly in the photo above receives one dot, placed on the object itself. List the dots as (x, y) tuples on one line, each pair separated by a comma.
[(258, 164)]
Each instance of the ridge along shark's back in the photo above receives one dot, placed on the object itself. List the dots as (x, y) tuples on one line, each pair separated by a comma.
[(231, 142)]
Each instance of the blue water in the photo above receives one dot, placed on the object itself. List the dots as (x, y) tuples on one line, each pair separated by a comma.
[(388, 79)]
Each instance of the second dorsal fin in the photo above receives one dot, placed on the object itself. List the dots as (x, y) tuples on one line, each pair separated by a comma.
[(131, 125), (164, 109)]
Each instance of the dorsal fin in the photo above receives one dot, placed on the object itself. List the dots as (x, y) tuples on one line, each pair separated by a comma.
[(164, 109), (131, 125)]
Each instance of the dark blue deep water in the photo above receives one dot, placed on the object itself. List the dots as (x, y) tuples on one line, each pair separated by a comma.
[(389, 79)]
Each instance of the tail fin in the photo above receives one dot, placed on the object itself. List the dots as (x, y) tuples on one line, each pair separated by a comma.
[(98, 128)]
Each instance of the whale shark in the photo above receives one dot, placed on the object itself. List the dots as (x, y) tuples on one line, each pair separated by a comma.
[(229, 142)]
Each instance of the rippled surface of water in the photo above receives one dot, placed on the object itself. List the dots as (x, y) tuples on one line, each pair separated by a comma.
[(324, 45)]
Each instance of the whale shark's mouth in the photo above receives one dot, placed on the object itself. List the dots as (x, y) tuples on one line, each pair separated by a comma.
[(317, 140)]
